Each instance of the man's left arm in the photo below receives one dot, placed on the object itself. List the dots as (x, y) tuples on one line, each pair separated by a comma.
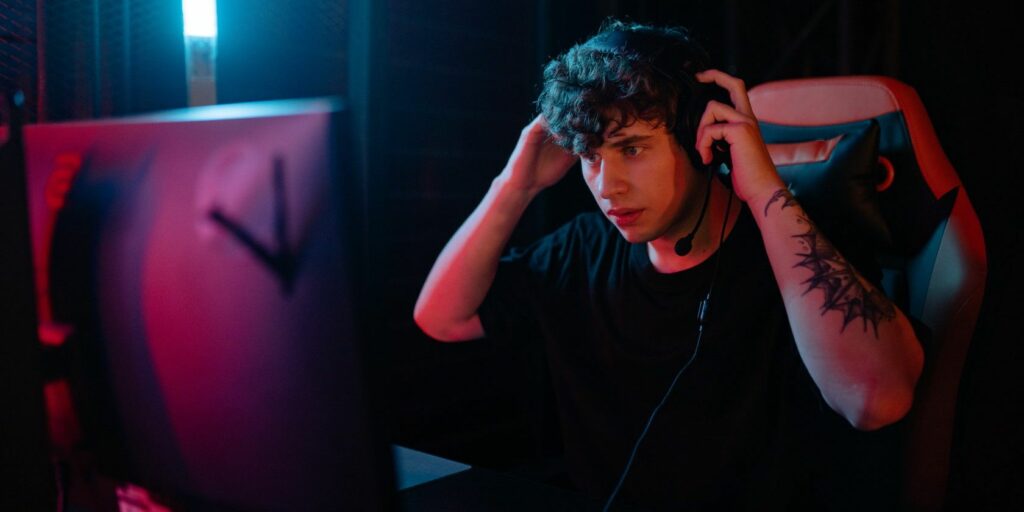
[(857, 345)]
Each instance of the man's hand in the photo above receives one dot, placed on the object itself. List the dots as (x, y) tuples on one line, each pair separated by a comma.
[(537, 162), (753, 172)]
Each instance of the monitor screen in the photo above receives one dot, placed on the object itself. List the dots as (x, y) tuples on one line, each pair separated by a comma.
[(26, 472), (207, 263)]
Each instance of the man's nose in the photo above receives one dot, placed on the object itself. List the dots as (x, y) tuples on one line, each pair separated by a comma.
[(611, 182)]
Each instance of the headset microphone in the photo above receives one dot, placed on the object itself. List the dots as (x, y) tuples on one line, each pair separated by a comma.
[(685, 244), (721, 151)]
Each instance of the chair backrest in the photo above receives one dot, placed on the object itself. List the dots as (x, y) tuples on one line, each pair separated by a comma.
[(937, 267)]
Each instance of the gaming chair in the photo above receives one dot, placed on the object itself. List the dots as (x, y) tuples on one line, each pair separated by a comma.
[(934, 264)]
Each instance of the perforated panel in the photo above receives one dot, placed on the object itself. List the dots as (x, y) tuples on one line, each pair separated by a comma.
[(18, 49), (69, 28), (112, 57)]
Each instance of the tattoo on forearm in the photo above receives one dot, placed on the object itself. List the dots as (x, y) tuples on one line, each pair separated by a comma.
[(844, 290), (782, 193)]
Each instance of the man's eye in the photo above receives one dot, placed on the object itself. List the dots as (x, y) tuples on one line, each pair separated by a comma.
[(632, 150), (590, 157)]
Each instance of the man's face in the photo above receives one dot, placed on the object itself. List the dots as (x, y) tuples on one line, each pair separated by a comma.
[(643, 181)]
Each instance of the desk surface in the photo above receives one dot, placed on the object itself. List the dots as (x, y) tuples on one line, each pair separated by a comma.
[(429, 483), (413, 467)]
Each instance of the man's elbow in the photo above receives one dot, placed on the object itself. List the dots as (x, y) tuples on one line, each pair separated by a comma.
[(882, 409), (428, 325), (884, 405), (438, 329), (435, 333)]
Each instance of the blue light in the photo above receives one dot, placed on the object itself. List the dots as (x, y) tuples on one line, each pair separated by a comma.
[(200, 17)]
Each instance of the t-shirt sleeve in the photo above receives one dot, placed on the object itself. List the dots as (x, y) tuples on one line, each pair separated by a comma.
[(511, 307), (506, 305)]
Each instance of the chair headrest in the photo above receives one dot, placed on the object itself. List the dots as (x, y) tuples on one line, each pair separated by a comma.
[(924, 185)]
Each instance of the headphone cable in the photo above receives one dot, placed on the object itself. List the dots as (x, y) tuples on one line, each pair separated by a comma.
[(701, 311)]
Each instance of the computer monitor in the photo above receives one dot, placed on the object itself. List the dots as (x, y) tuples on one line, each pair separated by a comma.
[(26, 475), (207, 263)]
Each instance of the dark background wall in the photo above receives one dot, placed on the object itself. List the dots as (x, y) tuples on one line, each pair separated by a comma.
[(960, 60), (440, 90)]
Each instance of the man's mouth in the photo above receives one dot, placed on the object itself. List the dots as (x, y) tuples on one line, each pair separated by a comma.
[(623, 217)]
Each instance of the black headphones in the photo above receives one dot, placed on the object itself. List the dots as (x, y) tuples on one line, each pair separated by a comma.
[(676, 56)]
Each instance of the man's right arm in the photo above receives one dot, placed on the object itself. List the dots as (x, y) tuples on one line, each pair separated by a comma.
[(463, 273)]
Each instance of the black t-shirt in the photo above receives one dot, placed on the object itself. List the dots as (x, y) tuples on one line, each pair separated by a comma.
[(745, 426)]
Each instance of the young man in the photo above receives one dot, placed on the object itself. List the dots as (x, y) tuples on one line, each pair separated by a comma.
[(776, 369)]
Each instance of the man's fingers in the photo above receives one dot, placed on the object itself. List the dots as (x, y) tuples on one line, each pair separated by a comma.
[(718, 113), (729, 132), (537, 132), (737, 89), (538, 123)]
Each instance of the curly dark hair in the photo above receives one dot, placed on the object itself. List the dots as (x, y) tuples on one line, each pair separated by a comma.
[(627, 71)]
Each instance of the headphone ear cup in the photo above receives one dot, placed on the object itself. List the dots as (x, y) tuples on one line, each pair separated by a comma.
[(688, 120)]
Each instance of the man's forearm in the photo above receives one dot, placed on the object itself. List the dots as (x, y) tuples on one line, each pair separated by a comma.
[(465, 269), (858, 347)]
